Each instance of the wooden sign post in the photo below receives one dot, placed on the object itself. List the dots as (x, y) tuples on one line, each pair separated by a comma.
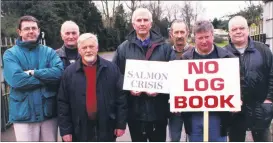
[(206, 127)]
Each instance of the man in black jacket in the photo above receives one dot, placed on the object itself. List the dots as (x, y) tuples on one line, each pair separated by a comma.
[(70, 34), (148, 112), (218, 121), (256, 73), (91, 103)]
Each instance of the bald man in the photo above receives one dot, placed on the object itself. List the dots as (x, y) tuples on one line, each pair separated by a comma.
[(70, 34), (256, 84)]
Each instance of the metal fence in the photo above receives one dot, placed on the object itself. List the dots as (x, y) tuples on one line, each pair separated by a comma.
[(5, 44), (259, 37), (4, 96)]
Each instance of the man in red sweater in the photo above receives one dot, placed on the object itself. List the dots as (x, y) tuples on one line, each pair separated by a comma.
[(92, 105)]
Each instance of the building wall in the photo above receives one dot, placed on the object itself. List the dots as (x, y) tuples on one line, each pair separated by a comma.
[(268, 23)]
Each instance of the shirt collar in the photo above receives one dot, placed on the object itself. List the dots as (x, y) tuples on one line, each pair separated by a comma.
[(184, 49), (196, 50)]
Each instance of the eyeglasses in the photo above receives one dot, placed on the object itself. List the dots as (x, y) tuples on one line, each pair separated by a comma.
[(30, 28)]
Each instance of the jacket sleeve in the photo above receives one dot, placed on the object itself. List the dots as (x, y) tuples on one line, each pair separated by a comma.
[(270, 73), (14, 74), (119, 59), (121, 102), (170, 53), (64, 112), (53, 73)]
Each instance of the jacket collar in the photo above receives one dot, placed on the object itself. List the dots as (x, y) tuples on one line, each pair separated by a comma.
[(100, 63), (28, 44), (155, 37), (250, 47), (220, 51), (62, 53)]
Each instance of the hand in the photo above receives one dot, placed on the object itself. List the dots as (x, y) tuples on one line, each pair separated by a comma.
[(153, 94), (135, 93), (29, 72), (119, 132), (267, 101), (67, 138)]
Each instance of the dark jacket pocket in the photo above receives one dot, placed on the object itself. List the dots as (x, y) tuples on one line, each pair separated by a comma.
[(50, 104), (19, 108), (267, 113)]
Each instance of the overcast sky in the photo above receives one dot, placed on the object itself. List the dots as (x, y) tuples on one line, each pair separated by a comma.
[(212, 8)]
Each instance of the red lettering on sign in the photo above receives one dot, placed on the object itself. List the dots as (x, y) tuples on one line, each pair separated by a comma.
[(178, 100), (199, 99), (199, 69), (186, 86), (223, 101), (203, 84), (215, 101), (200, 81), (220, 85)]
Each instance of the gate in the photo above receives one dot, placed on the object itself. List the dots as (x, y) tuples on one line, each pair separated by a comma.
[(4, 96)]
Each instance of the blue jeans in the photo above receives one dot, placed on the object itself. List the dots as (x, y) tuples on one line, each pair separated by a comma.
[(214, 128), (175, 126)]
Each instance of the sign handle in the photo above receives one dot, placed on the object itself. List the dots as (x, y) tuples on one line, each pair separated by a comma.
[(206, 126)]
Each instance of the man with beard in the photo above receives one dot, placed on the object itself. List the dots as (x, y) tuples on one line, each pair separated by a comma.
[(148, 112), (178, 35), (32, 71), (91, 103), (256, 71), (69, 52), (218, 121)]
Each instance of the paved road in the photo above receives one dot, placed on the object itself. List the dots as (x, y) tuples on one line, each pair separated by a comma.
[(9, 135)]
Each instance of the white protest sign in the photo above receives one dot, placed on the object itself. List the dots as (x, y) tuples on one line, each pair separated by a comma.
[(146, 76), (205, 85)]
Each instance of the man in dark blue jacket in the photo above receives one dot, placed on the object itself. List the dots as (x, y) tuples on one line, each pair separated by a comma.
[(256, 71), (148, 112), (91, 102), (33, 72), (218, 121)]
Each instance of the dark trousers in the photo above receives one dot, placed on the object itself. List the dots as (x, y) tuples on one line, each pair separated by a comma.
[(175, 126), (238, 134), (93, 134), (143, 131), (214, 128), (238, 128)]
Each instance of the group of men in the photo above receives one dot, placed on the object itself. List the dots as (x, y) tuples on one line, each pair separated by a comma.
[(75, 89)]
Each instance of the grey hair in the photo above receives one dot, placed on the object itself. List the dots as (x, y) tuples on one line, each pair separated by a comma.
[(179, 21), (202, 26), (142, 11), (86, 36), (237, 19), (69, 22)]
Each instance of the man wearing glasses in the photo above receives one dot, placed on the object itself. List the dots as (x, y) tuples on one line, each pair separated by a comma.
[(33, 72)]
